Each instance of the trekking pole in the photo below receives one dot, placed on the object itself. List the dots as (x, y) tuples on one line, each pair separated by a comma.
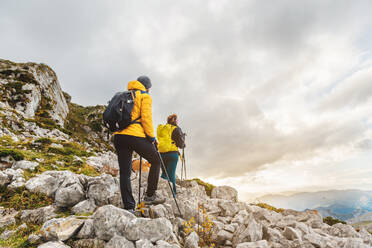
[(181, 167), (184, 161), (139, 180), (166, 173)]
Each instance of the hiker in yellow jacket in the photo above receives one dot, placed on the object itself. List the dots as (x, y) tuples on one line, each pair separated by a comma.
[(138, 137), (170, 138)]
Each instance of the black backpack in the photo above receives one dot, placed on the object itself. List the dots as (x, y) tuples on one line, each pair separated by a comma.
[(117, 115)]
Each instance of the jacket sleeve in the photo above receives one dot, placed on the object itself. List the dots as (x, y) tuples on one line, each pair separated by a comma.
[(146, 116), (178, 137)]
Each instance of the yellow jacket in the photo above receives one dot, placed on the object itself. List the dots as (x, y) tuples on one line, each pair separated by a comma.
[(142, 107)]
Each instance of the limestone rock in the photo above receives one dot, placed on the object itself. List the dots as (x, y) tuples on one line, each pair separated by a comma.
[(4, 179), (88, 243), (87, 231), (86, 206), (143, 243), (24, 164), (7, 234), (60, 229), (257, 244), (150, 229), (110, 220), (7, 217), (34, 239), (53, 245), (102, 189), (225, 192), (291, 233), (70, 195), (39, 215), (119, 242), (192, 240)]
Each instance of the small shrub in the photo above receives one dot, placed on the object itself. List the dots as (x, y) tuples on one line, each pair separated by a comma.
[(20, 198), (204, 227), (96, 126), (331, 221), (15, 154)]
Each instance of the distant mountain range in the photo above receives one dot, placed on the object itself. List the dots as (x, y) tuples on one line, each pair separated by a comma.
[(347, 205)]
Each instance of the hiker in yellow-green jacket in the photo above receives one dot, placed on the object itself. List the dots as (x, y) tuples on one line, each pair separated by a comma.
[(170, 138)]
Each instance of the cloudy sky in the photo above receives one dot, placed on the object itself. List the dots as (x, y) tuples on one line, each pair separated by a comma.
[(275, 96)]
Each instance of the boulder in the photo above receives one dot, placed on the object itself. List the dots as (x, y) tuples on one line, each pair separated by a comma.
[(102, 189), (87, 231), (34, 239), (53, 245), (256, 244), (164, 244), (291, 233), (119, 242), (43, 183), (70, 195), (60, 229), (7, 234), (253, 232), (25, 165), (150, 229), (143, 243), (88, 243), (7, 217), (39, 215), (110, 220), (4, 179), (192, 240), (225, 192), (86, 206)]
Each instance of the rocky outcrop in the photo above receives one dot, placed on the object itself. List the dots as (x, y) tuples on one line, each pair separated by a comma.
[(32, 89)]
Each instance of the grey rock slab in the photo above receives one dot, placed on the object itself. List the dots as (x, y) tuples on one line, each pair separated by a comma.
[(256, 244), (87, 231), (150, 229), (53, 245), (60, 229), (109, 220), (4, 179), (144, 243), (43, 183), (164, 244), (253, 232), (223, 235), (292, 234), (86, 206), (24, 164), (119, 242), (34, 239), (192, 240), (7, 217), (39, 215), (70, 195), (225, 192), (88, 243), (102, 189), (7, 234)]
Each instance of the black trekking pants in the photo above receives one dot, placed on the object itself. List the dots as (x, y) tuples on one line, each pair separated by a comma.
[(125, 145)]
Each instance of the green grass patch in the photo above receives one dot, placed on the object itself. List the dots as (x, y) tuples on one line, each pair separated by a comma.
[(20, 198), (19, 239), (269, 207), (331, 221), (15, 154), (207, 186)]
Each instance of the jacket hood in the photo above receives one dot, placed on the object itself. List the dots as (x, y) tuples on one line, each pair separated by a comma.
[(136, 85)]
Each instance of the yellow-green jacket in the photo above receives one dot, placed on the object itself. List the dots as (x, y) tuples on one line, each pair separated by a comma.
[(142, 107)]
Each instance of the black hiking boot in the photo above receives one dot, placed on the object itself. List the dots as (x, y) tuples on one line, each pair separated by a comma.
[(154, 199)]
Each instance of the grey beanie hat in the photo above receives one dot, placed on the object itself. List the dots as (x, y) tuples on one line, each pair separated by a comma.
[(145, 80)]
